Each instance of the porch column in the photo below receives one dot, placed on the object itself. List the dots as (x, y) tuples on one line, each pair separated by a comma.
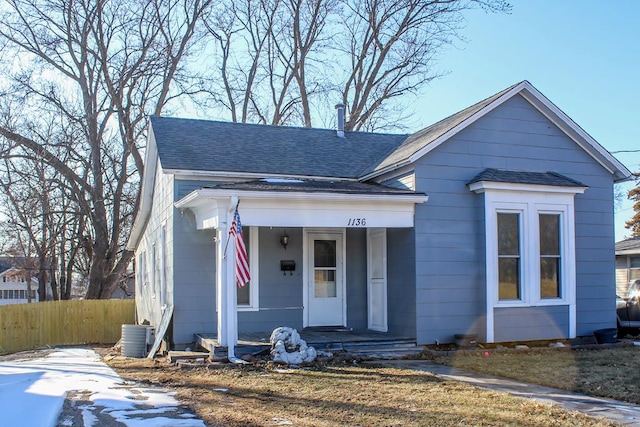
[(226, 297)]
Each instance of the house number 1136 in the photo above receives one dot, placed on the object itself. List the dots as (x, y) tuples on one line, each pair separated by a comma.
[(357, 222)]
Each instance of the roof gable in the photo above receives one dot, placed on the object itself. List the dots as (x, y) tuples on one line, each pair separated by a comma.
[(422, 142)]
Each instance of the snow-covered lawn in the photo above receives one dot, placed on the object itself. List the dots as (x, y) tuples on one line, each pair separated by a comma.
[(33, 392)]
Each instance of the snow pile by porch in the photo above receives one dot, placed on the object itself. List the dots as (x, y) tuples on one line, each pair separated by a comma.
[(287, 347)]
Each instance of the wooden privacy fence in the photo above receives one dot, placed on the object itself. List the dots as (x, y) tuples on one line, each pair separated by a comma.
[(52, 323)]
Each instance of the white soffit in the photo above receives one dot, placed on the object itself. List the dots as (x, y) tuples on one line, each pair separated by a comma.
[(297, 209)]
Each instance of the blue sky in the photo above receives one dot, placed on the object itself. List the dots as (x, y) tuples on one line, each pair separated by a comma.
[(583, 55)]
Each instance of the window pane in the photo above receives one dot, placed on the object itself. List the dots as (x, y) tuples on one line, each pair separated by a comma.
[(549, 277), (244, 293), (549, 234), (324, 253), (635, 262), (508, 278), (325, 284), (508, 234)]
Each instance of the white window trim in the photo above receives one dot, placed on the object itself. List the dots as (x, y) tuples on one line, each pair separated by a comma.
[(530, 201), (154, 277), (163, 266), (142, 274), (254, 269)]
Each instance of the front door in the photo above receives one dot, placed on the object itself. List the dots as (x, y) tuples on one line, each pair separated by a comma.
[(326, 294)]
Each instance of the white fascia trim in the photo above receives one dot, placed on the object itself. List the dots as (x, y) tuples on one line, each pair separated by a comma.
[(629, 252), (146, 192), (208, 193), (482, 186), (195, 174), (575, 132)]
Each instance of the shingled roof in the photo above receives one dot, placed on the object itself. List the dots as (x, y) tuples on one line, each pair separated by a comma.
[(522, 177), (203, 145), (629, 245), (314, 186)]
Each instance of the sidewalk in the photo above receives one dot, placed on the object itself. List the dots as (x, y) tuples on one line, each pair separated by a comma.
[(619, 412), (73, 387)]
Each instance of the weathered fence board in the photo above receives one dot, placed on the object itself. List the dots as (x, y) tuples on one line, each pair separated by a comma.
[(52, 323)]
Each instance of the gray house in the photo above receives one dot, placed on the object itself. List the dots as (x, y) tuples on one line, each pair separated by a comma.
[(627, 264), (496, 221)]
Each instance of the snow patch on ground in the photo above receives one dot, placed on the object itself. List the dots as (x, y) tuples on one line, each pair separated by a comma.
[(33, 393)]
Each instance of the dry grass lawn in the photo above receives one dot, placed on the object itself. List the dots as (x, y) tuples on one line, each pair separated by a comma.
[(339, 395), (610, 372)]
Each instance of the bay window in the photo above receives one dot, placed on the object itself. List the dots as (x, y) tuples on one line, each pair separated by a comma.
[(529, 244)]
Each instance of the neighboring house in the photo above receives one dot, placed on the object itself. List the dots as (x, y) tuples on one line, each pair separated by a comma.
[(16, 284), (496, 221), (627, 264)]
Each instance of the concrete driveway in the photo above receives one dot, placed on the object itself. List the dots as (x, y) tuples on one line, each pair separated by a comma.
[(73, 387)]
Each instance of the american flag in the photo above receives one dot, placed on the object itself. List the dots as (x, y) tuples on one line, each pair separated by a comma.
[(242, 260)]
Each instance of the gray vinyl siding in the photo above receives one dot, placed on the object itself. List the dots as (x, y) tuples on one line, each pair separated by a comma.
[(450, 258), (536, 323), (194, 272), (356, 275), (148, 301), (195, 278), (405, 181), (280, 294), (401, 285)]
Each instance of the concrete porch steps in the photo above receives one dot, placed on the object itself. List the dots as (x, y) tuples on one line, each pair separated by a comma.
[(372, 346)]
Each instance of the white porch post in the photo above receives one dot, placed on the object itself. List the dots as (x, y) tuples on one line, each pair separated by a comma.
[(226, 297)]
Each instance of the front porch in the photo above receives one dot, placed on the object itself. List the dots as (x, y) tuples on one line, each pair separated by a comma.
[(366, 343)]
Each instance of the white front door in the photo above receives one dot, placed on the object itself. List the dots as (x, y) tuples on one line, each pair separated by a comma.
[(326, 294), (377, 279)]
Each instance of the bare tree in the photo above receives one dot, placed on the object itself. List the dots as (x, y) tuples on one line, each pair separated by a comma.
[(99, 68), (264, 50), (277, 58), (634, 195)]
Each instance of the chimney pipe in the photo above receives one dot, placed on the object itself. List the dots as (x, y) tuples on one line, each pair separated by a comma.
[(340, 108)]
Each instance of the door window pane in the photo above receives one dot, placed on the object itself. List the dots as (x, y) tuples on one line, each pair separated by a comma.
[(509, 256), (324, 253), (325, 284)]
